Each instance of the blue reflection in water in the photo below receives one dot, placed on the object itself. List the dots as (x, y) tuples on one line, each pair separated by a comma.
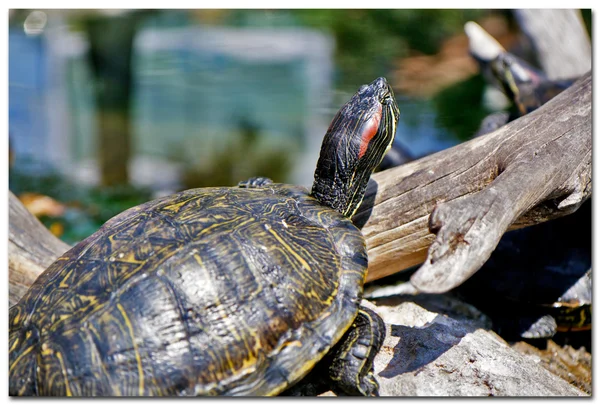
[(418, 130), (27, 85)]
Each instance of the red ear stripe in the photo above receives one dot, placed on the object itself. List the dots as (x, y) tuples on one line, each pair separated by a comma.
[(368, 132)]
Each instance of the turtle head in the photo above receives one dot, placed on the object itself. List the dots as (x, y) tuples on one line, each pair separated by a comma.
[(359, 136), (517, 80)]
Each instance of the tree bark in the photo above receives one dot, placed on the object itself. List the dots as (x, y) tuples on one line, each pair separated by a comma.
[(31, 248), (534, 169), (559, 37)]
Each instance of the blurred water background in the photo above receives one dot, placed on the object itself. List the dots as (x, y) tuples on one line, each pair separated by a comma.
[(108, 109)]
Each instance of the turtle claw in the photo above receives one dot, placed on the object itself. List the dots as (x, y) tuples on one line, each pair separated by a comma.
[(351, 368), (369, 387)]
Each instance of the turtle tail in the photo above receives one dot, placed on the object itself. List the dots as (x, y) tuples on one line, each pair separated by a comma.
[(24, 346)]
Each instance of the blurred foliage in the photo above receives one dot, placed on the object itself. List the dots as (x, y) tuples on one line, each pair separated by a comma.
[(241, 159), (87, 208), (586, 14), (459, 107), (228, 169), (368, 42)]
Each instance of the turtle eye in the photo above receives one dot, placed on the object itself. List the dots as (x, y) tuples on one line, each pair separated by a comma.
[(520, 73), (386, 98)]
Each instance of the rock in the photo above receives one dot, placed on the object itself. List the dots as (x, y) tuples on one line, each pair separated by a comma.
[(574, 366), (439, 346)]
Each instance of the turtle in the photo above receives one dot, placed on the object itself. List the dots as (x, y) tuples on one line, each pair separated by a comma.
[(538, 281), (217, 291), (525, 86)]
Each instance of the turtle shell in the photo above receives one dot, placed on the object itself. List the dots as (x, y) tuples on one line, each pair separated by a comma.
[(226, 291)]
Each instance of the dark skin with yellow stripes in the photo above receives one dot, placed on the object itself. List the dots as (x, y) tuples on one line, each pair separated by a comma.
[(526, 87), (217, 291)]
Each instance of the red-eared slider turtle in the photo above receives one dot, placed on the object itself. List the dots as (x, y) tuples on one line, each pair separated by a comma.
[(216, 291), (538, 281), (525, 86)]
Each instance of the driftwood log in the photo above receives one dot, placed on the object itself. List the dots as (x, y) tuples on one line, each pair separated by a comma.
[(529, 171), (31, 248), (534, 169)]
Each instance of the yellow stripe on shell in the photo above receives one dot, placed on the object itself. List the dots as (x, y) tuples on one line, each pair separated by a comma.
[(64, 373), (135, 348)]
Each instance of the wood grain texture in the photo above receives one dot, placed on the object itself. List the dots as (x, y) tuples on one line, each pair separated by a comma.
[(31, 248), (534, 169)]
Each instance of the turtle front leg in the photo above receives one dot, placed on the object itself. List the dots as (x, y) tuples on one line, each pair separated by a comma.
[(255, 182), (351, 367)]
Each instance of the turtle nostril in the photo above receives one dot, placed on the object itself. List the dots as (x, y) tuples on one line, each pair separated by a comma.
[(381, 82)]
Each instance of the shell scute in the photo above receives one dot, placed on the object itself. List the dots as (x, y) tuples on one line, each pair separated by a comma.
[(209, 291)]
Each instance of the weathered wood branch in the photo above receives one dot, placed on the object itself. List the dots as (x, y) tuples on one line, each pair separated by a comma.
[(560, 40), (31, 248), (534, 169)]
